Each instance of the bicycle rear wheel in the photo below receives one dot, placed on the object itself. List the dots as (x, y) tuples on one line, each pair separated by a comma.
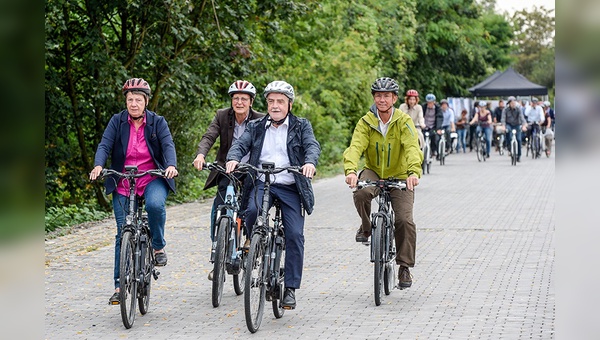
[(146, 283), (127, 279), (239, 279), (219, 264), (254, 292), (377, 253), (279, 272)]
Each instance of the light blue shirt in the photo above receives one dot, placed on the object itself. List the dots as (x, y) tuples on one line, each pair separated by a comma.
[(534, 114), (448, 117)]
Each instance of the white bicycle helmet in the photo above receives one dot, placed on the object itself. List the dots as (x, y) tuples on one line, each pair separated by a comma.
[(546, 103), (242, 86), (280, 86)]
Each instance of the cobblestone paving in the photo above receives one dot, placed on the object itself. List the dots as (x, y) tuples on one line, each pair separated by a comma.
[(485, 262)]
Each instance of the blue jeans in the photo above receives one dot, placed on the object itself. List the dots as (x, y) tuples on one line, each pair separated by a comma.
[(462, 140), (293, 221), (509, 129), (488, 137), (155, 195)]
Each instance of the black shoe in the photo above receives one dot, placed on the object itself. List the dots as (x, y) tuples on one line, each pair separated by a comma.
[(289, 299), (404, 278), (160, 259), (114, 300), (519, 159), (362, 236)]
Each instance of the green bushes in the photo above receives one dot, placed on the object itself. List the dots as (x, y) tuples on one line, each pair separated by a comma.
[(59, 217)]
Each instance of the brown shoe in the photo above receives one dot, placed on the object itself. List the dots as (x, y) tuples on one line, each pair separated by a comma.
[(362, 236), (247, 244), (404, 277)]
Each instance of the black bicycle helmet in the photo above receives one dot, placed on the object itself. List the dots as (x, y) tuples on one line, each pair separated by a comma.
[(385, 84)]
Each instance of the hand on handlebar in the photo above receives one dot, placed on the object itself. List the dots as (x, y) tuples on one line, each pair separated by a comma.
[(309, 170), (411, 182), (199, 162), (171, 172), (230, 166), (352, 180), (95, 172)]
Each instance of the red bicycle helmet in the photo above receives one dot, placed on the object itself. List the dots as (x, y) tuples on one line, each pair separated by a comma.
[(412, 93), (136, 84), (242, 86)]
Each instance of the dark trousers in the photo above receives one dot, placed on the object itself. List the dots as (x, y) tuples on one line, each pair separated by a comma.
[(472, 135), (293, 221), (405, 229)]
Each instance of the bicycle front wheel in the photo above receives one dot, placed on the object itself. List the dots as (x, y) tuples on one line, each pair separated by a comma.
[(425, 158), (219, 264), (389, 274), (279, 272), (254, 292), (442, 151), (478, 148), (513, 153), (146, 283), (378, 258), (127, 279), (239, 279)]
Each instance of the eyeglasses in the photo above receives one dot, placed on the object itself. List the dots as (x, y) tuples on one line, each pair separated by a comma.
[(240, 99)]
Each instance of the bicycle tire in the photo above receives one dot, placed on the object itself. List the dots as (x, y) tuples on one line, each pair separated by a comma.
[(425, 158), (441, 151), (478, 147), (146, 282), (254, 292), (389, 274), (279, 271), (377, 251), (127, 280), (513, 152), (219, 265), (239, 279)]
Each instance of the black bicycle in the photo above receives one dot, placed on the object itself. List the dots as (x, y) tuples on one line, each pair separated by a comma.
[(513, 147), (137, 257), (265, 270), (227, 253), (480, 145), (383, 245), (426, 153)]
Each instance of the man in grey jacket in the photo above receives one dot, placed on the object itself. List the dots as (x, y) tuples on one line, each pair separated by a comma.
[(285, 140), (512, 118)]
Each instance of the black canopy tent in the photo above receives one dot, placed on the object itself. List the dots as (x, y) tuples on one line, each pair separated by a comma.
[(507, 83)]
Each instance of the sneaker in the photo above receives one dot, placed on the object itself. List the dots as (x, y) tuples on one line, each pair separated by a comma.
[(160, 259), (210, 275), (289, 299), (247, 244), (404, 277), (114, 299), (362, 236)]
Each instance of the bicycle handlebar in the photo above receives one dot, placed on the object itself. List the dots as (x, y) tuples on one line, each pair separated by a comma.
[(132, 174), (269, 170), (382, 184)]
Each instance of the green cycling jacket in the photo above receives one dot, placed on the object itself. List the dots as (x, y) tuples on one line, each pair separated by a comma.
[(397, 154)]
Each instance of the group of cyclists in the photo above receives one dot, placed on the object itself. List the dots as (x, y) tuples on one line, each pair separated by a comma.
[(390, 139), (528, 119)]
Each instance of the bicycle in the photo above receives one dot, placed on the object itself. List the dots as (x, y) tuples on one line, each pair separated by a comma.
[(426, 153), (513, 147), (265, 271), (499, 139), (227, 253), (137, 257), (383, 245), (442, 148), (536, 141), (480, 145)]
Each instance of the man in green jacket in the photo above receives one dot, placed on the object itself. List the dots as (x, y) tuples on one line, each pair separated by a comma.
[(388, 139)]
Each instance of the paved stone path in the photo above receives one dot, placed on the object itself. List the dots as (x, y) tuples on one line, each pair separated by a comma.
[(485, 263)]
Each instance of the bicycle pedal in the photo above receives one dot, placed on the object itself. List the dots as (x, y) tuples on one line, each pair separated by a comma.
[(367, 243), (155, 274), (114, 303), (288, 307)]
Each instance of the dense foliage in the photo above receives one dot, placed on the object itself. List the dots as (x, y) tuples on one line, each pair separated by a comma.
[(190, 51)]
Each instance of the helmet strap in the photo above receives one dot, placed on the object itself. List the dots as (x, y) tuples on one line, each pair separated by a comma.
[(276, 122)]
